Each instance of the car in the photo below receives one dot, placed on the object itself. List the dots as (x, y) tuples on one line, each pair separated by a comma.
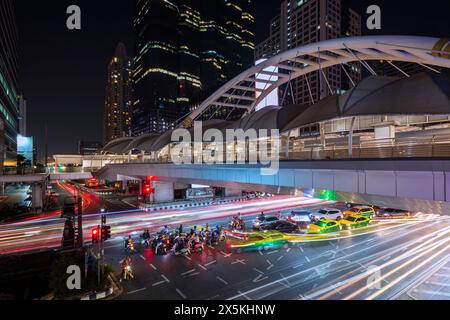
[(259, 222), (281, 226), (393, 213), (364, 211), (350, 205), (324, 226), (260, 241), (351, 222), (300, 217), (327, 214)]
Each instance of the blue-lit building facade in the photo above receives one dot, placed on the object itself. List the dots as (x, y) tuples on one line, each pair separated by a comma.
[(9, 85), (185, 50)]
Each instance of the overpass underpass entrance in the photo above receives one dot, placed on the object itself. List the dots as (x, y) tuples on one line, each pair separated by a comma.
[(416, 185)]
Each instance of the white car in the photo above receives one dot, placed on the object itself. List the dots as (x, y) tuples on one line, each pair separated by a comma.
[(328, 214), (258, 223), (300, 217)]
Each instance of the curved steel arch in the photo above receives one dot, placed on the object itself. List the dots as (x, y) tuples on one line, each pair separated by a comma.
[(241, 91)]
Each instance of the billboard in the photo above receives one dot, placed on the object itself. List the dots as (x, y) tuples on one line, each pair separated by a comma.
[(25, 150)]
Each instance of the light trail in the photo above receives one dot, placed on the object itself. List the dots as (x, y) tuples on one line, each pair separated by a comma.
[(45, 234), (308, 271)]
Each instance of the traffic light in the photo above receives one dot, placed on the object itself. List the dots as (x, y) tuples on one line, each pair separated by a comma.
[(106, 233), (147, 189), (95, 235)]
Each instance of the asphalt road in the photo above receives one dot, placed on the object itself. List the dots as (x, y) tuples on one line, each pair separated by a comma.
[(396, 261), (46, 233)]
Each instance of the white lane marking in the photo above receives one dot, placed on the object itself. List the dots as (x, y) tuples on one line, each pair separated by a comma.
[(245, 296), (202, 267), (301, 249), (194, 274), (261, 253), (142, 257), (153, 267), (288, 250), (280, 258), (258, 271), (272, 252), (221, 280), (161, 282), (181, 294), (225, 254), (188, 258), (136, 291), (239, 261), (285, 282), (165, 278), (307, 259), (188, 272), (260, 278), (442, 275), (210, 263)]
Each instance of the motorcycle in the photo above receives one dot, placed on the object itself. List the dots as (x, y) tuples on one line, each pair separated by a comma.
[(161, 249), (180, 248), (127, 274), (130, 248), (237, 224), (198, 247)]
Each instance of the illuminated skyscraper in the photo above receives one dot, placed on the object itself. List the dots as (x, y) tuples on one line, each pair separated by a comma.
[(185, 50), (9, 84), (117, 122), (303, 22)]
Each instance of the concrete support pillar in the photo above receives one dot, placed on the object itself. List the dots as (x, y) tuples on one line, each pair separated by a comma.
[(350, 138), (164, 192), (2, 189), (141, 185), (38, 194), (125, 188)]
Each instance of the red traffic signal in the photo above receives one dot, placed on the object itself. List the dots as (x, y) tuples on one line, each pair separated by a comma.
[(147, 189), (95, 235)]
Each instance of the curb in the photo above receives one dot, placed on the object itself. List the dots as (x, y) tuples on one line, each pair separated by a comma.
[(113, 291), (189, 205)]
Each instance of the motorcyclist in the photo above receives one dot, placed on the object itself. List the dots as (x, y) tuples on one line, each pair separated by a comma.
[(160, 243), (262, 216), (126, 269), (129, 242)]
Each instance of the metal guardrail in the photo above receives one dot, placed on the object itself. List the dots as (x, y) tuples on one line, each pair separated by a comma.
[(412, 147), (418, 147)]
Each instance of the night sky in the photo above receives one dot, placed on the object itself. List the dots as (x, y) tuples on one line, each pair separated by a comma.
[(63, 73)]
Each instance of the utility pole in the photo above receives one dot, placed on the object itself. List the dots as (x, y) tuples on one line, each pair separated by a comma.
[(80, 220), (102, 246)]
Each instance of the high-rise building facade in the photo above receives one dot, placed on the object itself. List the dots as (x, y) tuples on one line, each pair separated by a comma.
[(9, 84), (119, 96), (89, 148), (302, 22), (185, 50)]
